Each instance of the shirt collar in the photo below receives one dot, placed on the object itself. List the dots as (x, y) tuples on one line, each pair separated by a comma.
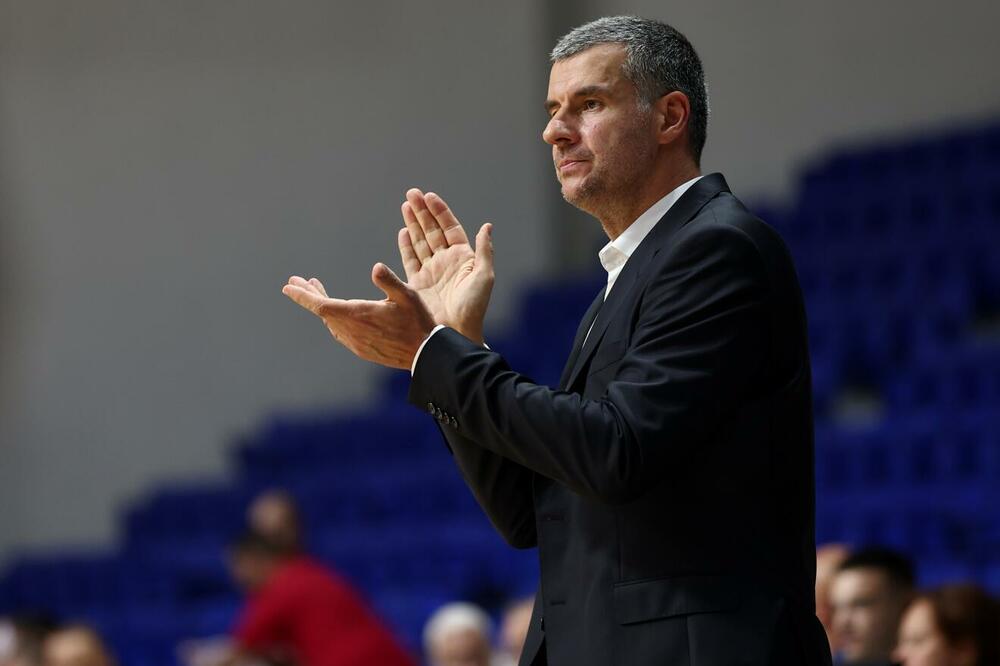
[(614, 255)]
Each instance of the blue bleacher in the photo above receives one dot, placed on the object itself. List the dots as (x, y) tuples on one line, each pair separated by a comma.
[(896, 246)]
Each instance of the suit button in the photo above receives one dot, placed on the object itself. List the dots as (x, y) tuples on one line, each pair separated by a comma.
[(541, 623), (454, 422)]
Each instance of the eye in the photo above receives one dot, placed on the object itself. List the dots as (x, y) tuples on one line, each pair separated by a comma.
[(592, 105)]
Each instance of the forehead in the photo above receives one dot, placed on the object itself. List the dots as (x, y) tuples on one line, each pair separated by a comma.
[(599, 65), (858, 582), (919, 616)]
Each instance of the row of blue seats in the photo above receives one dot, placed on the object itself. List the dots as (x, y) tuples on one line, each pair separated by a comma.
[(328, 492), (923, 533), (913, 215), (942, 159)]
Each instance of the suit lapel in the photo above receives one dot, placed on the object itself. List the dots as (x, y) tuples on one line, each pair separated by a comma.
[(581, 334), (679, 214)]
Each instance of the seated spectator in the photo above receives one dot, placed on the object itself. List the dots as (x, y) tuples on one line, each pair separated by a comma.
[(75, 645), (828, 560), (869, 592), (22, 637), (458, 634), (952, 625), (274, 515), (514, 629), (298, 609)]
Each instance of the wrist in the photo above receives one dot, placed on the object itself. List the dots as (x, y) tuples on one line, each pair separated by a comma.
[(473, 333)]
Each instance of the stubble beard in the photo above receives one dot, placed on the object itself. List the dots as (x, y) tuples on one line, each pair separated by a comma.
[(609, 190)]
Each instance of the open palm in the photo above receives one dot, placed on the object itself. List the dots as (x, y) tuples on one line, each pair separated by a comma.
[(453, 280)]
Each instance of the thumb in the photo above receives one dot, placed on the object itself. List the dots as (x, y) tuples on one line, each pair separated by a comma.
[(484, 248), (389, 283)]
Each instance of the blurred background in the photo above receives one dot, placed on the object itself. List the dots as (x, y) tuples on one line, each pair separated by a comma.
[(164, 166)]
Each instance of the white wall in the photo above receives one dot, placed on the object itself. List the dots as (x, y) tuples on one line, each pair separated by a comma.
[(164, 166)]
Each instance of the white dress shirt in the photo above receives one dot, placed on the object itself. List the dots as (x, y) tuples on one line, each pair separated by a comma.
[(616, 253)]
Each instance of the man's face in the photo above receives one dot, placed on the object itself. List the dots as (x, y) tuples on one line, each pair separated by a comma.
[(866, 613), (603, 140)]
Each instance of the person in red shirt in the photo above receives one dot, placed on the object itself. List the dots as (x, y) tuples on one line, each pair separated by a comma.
[(299, 610)]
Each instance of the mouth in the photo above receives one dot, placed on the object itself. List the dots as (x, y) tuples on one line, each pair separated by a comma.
[(570, 165)]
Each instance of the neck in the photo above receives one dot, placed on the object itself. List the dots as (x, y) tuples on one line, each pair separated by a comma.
[(619, 216)]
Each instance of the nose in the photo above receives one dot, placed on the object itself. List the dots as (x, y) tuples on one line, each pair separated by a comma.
[(558, 131)]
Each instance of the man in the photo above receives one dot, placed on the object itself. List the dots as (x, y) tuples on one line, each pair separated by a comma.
[(668, 482), (869, 594), (299, 610), (458, 634)]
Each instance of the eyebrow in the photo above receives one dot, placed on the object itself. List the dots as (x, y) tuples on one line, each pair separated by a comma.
[(581, 92)]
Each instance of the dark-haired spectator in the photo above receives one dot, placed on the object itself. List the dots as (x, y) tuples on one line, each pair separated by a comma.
[(952, 625), (75, 645), (871, 589), (274, 514), (829, 557), (298, 609)]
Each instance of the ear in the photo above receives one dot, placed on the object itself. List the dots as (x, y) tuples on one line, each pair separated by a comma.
[(672, 112)]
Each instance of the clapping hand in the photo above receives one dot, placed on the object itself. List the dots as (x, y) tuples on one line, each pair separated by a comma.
[(453, 280), (449, 284)]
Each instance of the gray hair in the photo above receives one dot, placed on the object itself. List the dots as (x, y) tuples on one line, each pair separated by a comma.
[(457, 616), (658, 60)]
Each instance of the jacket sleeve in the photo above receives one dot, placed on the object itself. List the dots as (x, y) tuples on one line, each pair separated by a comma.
[(502, 487), (697, 346)]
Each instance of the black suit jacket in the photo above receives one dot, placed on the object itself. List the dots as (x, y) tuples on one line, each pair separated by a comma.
[(668, 482)]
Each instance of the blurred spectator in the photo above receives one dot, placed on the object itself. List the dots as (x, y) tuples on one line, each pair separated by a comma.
[(21, 639), (458, 634), (514, 629), (871, 589), (952, 625), (829, 558), (75, 645), (275, 515), (298, 609)]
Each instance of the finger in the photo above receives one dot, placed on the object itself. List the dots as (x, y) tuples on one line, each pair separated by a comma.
[(452, 228), (304, 284), (328, 308), (484, 248), (406, 252), (417, 238), (389, 282), (319, 286), (432, 230), (304, 296)]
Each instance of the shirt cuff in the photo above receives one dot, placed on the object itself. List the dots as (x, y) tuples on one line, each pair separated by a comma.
[(416, 357)]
